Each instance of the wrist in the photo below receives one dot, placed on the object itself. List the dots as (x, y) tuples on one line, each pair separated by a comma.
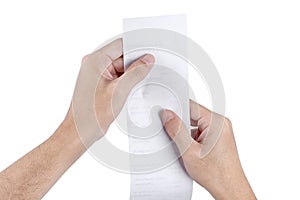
[(67, 135), (88, 137), (232, 186)]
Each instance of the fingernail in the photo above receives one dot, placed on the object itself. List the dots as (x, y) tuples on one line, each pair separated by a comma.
[(166, 116), (148, 59)]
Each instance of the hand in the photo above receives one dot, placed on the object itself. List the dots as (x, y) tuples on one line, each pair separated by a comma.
[(103, 83), (220, 171)]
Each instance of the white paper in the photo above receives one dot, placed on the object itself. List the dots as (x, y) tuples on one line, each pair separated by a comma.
[(162, 88)]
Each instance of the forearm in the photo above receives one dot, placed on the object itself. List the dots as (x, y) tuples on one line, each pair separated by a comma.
[(241, 190), (233, 185), (35, 173)]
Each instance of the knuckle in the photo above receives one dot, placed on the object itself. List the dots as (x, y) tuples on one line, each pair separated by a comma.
[(84, 58), (222, 119), (227, 123)]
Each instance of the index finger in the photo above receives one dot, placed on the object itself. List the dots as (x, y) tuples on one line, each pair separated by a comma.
[(109, 53), (198, 113)]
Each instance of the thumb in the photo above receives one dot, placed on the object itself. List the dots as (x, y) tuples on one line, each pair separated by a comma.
[(137, 71), (177, 130)]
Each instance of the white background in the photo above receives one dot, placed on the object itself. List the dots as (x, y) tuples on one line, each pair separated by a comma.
[(254, 44)]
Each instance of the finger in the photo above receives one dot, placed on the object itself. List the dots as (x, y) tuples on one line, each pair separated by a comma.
[(199, 115), (106, 55), (147, 59), (195, 133), (210, 135), (176, 129), (118, 65), (114, 70), (209, 127), (112, 50), (137, 71)]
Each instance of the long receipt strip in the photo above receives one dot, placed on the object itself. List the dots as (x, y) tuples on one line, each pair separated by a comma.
[(164, 176)]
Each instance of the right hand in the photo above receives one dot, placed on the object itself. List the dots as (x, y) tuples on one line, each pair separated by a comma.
[(220, 171)]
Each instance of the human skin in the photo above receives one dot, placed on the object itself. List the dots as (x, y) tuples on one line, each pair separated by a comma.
[(220, 171), (32, 176)]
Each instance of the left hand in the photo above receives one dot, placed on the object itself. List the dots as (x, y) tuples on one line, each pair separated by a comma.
[(105, 67)]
